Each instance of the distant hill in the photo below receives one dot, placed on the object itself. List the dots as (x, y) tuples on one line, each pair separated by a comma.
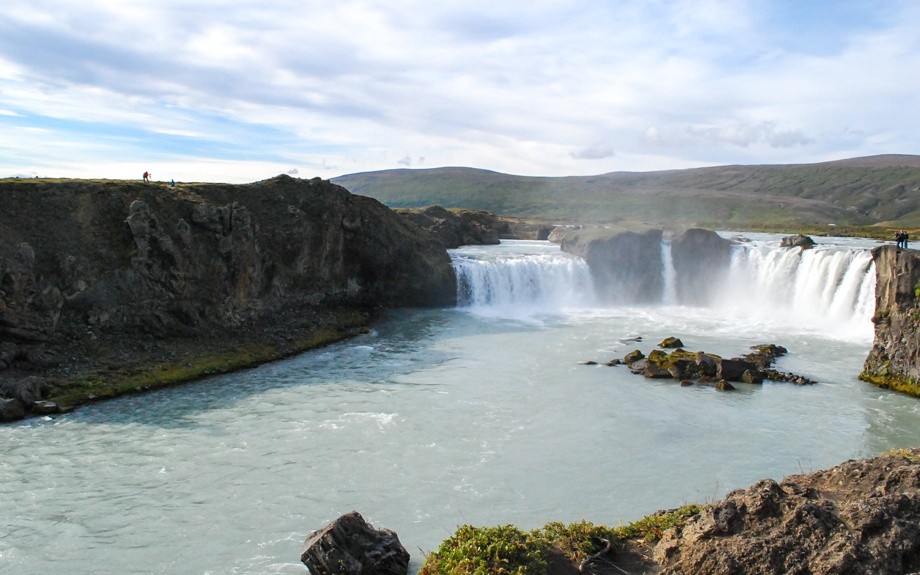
[(858, 191)]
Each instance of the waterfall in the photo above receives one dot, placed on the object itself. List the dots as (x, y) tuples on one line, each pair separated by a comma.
[(668, 280), (829, 288), (521, 276), (826, 286)]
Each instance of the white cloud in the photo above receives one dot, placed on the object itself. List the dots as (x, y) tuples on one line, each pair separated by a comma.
[(594, 152), (527, 88)]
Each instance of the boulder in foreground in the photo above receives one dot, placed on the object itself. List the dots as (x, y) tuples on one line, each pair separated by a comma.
[(351, 546)]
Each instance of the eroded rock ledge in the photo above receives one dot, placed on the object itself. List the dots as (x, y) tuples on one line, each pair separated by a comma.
[(858, 517)]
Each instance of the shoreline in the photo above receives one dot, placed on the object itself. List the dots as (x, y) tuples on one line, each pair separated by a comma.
[(109, 366)]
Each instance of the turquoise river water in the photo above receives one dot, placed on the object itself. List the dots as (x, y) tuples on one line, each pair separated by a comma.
[(483, 414)]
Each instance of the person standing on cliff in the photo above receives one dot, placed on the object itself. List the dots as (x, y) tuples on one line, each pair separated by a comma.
[(146, 176), (899, 238)]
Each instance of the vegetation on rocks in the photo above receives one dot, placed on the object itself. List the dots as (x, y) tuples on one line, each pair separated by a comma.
[(508, 550)]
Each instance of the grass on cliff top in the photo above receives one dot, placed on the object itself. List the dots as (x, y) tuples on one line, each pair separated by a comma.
[(507, 550)]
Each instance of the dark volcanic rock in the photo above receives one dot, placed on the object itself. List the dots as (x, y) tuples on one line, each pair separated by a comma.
[(859, 517), (11, 409), (733, 369), (895, 356), (701, 261), (455, 228), (626, 266), (671, 342), (797, 241), (351, 546)]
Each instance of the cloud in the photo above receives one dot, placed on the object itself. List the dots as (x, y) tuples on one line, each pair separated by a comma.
[(745, 135), (594, 152), (504, 86)]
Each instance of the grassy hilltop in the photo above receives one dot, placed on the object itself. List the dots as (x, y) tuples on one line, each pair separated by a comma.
[(877, 190)]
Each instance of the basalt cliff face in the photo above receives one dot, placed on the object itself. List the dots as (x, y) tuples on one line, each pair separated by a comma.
[(627, 266), (895, 357), (134, 262)]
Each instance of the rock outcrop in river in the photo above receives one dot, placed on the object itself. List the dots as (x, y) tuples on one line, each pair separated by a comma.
[(894, 360), (627, 265), (701, 259), (94, 274)]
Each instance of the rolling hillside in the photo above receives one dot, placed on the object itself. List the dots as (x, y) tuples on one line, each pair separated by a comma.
[(860, 191)]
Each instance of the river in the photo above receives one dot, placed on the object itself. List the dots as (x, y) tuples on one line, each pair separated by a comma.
[(483, 414)]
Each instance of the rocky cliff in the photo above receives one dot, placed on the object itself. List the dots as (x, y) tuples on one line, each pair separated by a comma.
[(894, 360), (455, 228), (701, 259), (460, 227), (858, 517), (627, 265), (137, 264)]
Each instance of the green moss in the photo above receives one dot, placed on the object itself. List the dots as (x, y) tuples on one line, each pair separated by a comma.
[(904, 385), (71, 392), (909, 454), (652, 527), (503, 550), (575, 541), (507, 550)]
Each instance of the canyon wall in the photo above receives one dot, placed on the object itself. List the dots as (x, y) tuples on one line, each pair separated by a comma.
[(138, 264)]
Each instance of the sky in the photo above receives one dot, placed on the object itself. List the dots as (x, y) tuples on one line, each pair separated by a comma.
[(243, 90)]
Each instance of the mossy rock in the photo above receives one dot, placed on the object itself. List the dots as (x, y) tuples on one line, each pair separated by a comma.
[(633, 356), (671, 342)]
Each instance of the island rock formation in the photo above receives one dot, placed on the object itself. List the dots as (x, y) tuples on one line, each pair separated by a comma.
[(627, 265), (701, 260), (98, 267), (894, 360)]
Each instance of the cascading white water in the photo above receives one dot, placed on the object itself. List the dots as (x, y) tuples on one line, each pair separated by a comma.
[(529, 276), (668, 280), (829, 288)]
